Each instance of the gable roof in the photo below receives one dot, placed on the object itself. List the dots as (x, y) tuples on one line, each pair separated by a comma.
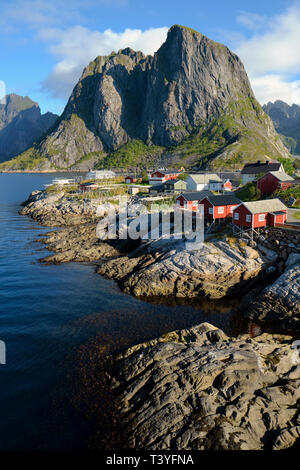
[(172, 171), (281, 176), (206, 178), (223, 200), (258, 167), (173, 182), (268, 205), (157, 187), (196, 195)]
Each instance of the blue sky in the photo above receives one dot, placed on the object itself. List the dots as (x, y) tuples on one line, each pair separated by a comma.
[(45, 45)]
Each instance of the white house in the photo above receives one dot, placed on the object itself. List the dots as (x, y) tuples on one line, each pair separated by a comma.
[(62, 181), (205, 181), (100, 174), (251, 171)]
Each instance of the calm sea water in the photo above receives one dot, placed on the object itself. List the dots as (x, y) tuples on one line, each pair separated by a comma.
[(47, 313)]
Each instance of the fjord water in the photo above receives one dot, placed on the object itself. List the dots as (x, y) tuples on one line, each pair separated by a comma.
[(47, 313)]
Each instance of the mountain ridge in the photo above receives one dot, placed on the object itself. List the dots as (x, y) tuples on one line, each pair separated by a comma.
[(286, 119), (191, 102), (21, 124)]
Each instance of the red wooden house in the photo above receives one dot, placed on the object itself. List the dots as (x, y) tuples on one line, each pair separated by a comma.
[(219, 207), (190, 201), (227, 185), (273, 181), (130, 180), (257, 214), (160, 176)]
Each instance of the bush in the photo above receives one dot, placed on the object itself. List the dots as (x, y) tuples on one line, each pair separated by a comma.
[(287, 165), (249, 192)]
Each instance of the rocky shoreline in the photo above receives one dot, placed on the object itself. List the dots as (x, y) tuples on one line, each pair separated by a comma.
[(197, 388), (143, 268), (161, 268)]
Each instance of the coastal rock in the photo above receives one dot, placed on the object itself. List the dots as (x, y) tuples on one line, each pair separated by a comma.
[(79, 243), (198, 389), (151, 268), (280, 303), (213, 272), (57, 209)]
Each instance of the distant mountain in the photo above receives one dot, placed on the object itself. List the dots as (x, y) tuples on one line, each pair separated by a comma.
[(191, 103), (21, 124), (286, 120)]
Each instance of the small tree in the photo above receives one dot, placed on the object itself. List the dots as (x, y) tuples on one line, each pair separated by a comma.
[(145, 177), (182, 177), (287, 164)]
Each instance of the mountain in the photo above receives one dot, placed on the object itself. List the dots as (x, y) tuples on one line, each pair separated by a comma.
[(21, 124), (191, 103), (286, 120)]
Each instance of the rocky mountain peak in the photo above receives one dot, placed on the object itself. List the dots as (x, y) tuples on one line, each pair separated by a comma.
[(193, 96), (21, 124)]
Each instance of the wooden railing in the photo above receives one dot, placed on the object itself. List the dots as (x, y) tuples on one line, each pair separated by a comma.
[(288, 226)]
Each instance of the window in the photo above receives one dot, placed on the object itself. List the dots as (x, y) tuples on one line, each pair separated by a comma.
[(236, 216), (261, 217), (248, 218), (220, 210), (211, 210)]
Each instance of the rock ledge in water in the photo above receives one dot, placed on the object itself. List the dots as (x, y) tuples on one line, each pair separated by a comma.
[(199, 389)]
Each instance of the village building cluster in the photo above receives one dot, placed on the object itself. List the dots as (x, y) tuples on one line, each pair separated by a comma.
[(214, 191), (216, 194)]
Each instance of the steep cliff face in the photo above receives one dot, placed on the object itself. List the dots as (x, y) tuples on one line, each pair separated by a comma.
[(21, 124), (286, 120), (191, 100), (191, 79)]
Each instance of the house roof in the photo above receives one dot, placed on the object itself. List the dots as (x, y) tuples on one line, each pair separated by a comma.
[(268, 205), (296, 181), (157, 187), (224, 200), (281, 176), (196, 195), (206, 178), (258, 167), (172, 170), (173, 182)]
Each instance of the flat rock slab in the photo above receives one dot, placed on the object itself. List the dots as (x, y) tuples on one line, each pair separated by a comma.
[(199, 389)]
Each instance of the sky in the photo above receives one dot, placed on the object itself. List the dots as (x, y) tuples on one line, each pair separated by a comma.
[(46, 44)]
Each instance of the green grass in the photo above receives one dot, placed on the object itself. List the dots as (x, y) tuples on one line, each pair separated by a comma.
[(28, 160), (287, 165), (130, 154), (297, 215), (294, 192)]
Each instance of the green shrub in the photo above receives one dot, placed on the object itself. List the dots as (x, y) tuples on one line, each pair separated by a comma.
[(249, 192)]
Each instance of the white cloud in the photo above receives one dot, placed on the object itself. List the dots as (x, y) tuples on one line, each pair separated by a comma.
[(252, 21), (274, 87), (75, 47), (272, 55)]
